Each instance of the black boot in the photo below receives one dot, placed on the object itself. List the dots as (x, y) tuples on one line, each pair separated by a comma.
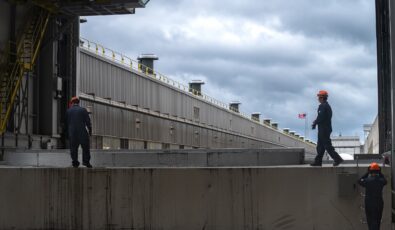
[(337, 162), (87, 164), (316, 164), (75, 164)]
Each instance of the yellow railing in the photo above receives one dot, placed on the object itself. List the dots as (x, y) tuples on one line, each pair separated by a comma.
[(25, 60), (136, 66)]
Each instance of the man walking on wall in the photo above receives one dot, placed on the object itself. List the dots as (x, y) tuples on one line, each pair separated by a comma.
[(78, 122), (324, 122)]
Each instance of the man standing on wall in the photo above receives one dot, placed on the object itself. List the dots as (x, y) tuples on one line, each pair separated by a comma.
[(78, 121), (324, 122)]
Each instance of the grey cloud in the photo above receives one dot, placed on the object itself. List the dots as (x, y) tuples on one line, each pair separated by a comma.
[(334, 48)]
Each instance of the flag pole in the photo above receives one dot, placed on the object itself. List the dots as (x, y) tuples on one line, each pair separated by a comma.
[(306, 129)]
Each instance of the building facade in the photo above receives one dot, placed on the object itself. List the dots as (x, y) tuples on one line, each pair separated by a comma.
[(135, 107), (349, 145), (371, 144)]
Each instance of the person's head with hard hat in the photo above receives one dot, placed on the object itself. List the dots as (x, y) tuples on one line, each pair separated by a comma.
[(74, 101), (374, 169), (322, 96)]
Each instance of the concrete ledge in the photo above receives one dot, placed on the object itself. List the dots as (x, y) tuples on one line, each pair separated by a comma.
[(164, 158), (184, 198)]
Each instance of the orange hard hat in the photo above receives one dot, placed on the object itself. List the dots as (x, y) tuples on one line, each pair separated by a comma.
[(75, 99), (374, 167), (322, 93)]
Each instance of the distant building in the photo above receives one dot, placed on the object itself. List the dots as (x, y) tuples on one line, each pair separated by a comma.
[(371, 145), (347, 144)]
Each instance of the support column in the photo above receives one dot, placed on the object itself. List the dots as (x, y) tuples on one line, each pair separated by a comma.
[(391, 82)]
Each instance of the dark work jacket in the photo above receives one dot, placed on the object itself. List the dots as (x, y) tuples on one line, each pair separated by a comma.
[(324, 118), (77, 122), (374, 188)]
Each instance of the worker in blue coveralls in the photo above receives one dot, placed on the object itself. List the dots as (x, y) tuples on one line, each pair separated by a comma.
[(79, 129), (373, 181), (324, 122)]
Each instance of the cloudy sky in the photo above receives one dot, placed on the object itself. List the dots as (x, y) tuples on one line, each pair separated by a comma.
[(273, 56)]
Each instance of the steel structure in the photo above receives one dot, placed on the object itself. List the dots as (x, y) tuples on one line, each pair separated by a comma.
[(38, 66), (385, 11)]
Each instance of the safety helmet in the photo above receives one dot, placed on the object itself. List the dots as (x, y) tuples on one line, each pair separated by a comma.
[(374, 167), (75, 100), (322, 93)]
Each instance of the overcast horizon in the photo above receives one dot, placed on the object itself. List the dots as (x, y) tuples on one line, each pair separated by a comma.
[(272, 56)]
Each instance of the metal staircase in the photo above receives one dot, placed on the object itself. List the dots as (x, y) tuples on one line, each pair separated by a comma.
[(19, 64)]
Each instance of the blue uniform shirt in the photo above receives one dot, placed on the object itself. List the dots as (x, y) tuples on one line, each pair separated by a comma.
[(324, 118), (78, 121)]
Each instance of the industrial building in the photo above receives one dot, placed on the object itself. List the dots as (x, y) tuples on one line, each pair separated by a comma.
[(132, 105), (44, 62), (371, 144), (349, 145)]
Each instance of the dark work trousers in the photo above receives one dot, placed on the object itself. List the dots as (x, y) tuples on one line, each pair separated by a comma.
[(75, 142), (374, 212), (325, 143)]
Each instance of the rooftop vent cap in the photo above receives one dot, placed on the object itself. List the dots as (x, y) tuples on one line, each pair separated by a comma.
[(256, 116), (234, 106), (146, 63), (267, 121), (147, 56), (195, 87)]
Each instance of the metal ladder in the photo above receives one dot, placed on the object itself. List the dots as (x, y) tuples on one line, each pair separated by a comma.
[(13, 71)]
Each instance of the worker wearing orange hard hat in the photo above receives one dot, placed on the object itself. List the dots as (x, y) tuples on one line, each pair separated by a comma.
[(373, 181), (324, 123), (79, 129), (72, 101)]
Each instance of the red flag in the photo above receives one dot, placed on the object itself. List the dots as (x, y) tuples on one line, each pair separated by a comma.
[(302, 115)]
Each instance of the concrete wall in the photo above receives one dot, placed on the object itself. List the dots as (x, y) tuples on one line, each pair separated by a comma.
[(178, 198), (163, 158)]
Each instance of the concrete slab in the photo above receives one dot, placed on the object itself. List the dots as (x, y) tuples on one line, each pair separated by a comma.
[(267, 197), (164, 158)]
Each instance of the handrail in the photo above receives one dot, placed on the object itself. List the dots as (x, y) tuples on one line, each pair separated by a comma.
[(132, 64), (22, 65), (135, 65)]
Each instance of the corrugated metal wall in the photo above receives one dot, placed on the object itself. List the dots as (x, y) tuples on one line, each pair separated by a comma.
[(215, 127)]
